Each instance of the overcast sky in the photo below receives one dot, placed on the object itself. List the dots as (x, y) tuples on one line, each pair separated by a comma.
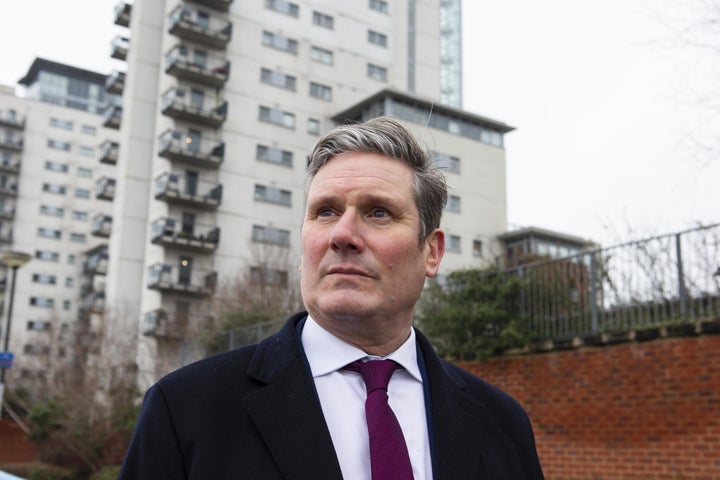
[(605, 98)]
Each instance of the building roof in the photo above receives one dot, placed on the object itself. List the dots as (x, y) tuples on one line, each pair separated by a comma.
[(537, 232), (43, 65), (429, 105)]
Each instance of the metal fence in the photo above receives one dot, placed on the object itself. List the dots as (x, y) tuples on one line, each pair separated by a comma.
[(650, 282)]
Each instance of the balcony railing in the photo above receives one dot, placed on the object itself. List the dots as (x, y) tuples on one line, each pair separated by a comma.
[(178, 189), (171, 232), (165, 324), (123, 10), (112, 115), (188, 64), (7, 211), (10, 118), (115, 82), (119, 47), (93, 302), (6, 233), (102, 225), (11, 141), (105, 188), (186, 281), (181, 147), (96, 261), (222, 5), (8, 189), (10, 163), (109, 151), (188, 24), (180, 104)]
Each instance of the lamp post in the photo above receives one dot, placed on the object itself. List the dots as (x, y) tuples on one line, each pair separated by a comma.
[(13, 260)]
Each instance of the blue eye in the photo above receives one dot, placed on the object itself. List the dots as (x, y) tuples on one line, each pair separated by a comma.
[(379, 213), (326, 212)]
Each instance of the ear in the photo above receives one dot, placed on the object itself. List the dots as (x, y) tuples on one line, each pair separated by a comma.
[(434, 251)]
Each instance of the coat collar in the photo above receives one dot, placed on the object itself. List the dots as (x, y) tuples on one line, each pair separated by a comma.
[(289, 417)]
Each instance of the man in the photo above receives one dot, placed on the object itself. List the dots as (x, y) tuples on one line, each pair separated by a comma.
[(289, 407)]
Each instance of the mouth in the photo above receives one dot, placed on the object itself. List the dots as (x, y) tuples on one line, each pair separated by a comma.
[(347, 271)]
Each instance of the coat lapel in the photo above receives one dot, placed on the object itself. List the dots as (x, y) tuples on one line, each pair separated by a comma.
[(287, 412), (456, 419)]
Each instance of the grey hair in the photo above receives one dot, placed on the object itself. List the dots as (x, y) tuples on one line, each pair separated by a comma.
[(386, 136)]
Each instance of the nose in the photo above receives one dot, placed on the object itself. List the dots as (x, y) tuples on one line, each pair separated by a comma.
[(346, 235)]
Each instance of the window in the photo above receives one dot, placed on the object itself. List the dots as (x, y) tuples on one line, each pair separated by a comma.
[(453, 204), (273, 236), (88, 130), (67, 304), (47, 255), (377, 72), (379, 5), (321, 55), (274, 155), (69, 282), (77, 237), (46, 302), (59, 123), (86, 151), (49, 233), (71, 259), (52, 211), (82, 193), (278, 117), (313, 126), (84, 172), (282, 6), (80, 215), (273, 195), (453, 244), (325, 21), (377, 38), (38, 326), (56, 166), (477, 248), (58, 145), (34, 349), (44, 278), (267, 276), (447, 162), (277, 79), (280, 42), (318, 90), (53, 188)]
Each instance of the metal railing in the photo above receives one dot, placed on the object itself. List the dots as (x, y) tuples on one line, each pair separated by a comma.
[(646, 283)]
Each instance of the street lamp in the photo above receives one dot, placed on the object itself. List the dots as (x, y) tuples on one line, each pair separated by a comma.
[(13, 260)]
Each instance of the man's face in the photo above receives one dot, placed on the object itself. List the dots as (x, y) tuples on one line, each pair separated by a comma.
[(361, 259)]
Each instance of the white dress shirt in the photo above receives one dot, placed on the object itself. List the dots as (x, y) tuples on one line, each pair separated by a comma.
[(342, 397)]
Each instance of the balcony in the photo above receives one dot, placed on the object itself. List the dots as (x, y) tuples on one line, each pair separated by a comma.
[(96, 262), (10, 141), (102, 225), (105, 188), (109, 151), (122, 14), (222, 5), (170, 232), (183, 280), (10, 163), (93, 302), (6, 233), (190, 106), (189, 191), (189, 24), (163, 324), (11, 119), (119, 47), (7, 211), (112, 115), (190, 149), (198, 67), (115, 82), (8, 188)]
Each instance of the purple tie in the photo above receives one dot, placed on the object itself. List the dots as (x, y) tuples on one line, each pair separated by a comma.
[(389, 459)]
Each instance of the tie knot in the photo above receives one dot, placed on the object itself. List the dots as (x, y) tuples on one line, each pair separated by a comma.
[(375, 373)]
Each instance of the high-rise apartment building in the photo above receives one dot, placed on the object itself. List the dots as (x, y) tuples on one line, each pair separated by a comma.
[(55, 195), (203, 158)]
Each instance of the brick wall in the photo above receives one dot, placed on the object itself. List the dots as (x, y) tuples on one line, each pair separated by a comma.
[(647, 410)]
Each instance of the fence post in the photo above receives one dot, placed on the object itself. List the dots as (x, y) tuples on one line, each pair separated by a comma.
[(681, 277), (524, 317), (593, 291)]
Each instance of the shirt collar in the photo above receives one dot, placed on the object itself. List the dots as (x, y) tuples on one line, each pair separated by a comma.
[(326, 353)]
